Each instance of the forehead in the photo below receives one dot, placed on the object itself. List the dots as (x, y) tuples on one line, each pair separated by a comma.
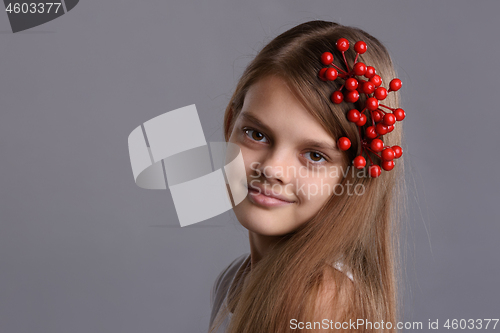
[(271, 91), (271, 104)]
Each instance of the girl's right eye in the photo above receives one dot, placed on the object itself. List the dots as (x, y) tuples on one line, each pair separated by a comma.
[(254, 135)]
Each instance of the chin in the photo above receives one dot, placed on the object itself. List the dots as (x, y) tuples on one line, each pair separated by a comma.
[(277, 221)]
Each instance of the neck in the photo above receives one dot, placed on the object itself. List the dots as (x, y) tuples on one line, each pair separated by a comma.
[(260, 245)]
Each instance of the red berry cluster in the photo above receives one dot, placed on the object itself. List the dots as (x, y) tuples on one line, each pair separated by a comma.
[(382, 120)]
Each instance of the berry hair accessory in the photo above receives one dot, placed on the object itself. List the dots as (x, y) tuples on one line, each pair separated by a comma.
[(382, 120)]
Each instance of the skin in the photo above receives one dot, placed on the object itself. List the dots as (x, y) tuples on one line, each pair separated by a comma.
[(271, 155)]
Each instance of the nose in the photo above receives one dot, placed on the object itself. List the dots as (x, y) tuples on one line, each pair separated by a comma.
[(277, 166)]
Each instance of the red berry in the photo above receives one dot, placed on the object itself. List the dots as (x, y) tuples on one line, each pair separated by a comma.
[(362, 120), (377, 116), (395, 84), (374, 171), (388, 165), (331, 74), (352, 96), (377, 80), (351, 84), (377, 145), (399, 114), (389, 119), (321, 73), (353, 115), (398, 152), (360, 47), (388, 154), (370, 72), (371, 133), (368, 87), (359, 162), (344, 143), (359, 69), (371, 103), (380, 93), (342, 44), (381, 129), (337, 97), (390, 128), (326, 58)]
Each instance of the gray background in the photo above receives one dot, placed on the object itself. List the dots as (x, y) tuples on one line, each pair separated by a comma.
[(83, 249)]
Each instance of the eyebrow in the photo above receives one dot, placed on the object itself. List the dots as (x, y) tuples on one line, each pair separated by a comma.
[(312, 143), (250, 117)]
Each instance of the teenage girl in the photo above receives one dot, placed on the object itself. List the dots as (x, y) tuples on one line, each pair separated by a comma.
[(323, 235)]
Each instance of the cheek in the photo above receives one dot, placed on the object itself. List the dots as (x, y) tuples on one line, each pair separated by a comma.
[(316, 191), (250, 156), (250, 159)]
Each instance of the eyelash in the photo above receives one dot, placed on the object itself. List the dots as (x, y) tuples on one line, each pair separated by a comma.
[(246, 129)]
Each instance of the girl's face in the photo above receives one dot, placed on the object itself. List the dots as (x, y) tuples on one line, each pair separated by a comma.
[(287, 154)]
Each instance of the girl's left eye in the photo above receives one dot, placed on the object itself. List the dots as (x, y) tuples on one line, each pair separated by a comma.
[(316, 157)]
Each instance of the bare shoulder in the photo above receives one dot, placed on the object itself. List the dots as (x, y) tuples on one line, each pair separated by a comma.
[(335, 294)]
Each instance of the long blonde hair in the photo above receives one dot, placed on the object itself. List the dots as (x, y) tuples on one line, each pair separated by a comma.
[(360, 230)]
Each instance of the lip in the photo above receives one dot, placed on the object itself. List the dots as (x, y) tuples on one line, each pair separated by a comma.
[(257, 195)]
